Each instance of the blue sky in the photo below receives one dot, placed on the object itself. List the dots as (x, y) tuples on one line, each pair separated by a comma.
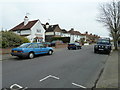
[(78, 14)]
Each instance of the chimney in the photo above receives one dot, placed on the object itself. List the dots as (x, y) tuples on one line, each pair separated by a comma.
[(72, 29), (26, 20), (47, 25), (86, 32)]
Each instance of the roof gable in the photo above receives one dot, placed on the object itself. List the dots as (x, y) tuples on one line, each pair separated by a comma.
[(21, 26)]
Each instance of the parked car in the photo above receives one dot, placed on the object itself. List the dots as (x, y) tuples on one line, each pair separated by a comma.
[(30, 50), (103, 45), (47, 44), (56, 41), (74, 46)]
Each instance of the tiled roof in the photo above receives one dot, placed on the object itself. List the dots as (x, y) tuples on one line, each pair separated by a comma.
[(51, 28), (89, 35), (21, 26), (74, 32), (64, 31)]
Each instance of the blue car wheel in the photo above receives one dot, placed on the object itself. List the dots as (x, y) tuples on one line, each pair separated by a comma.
[(50, 52), (31, 55)]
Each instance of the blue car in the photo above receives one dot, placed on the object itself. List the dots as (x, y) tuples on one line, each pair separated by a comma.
[(30, 50)]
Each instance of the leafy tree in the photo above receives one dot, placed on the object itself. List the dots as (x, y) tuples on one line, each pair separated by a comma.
[(110, 16)]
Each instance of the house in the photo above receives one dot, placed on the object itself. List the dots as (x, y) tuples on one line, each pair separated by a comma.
[(74, 35), (52, 31), (90, 38), (33, 30), (65, 33)]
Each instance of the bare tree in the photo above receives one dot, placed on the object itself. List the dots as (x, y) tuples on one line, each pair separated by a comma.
[(110, 16)]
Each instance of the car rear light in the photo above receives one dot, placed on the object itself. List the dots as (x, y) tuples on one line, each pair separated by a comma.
[(20, 51)]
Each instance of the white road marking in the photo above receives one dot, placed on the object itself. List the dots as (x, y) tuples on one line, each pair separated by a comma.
[(54, 77), (45, 78), (78, 85), (49, 77), (11, 87)]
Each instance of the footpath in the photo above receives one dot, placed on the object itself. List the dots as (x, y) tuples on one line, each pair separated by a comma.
[(109, 77)]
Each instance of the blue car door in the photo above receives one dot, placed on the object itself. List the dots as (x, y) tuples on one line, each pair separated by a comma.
[(36, 48), (43, 48)]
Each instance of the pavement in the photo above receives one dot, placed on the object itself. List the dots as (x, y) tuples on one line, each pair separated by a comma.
[(109, 77)]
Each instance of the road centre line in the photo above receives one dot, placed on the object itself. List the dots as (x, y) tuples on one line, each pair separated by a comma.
[(49, 77), (78, 85)]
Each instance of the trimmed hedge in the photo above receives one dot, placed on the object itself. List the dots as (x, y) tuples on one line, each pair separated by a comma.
[(10, 39)]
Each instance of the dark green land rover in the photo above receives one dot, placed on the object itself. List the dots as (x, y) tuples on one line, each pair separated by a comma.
[(103, 45)]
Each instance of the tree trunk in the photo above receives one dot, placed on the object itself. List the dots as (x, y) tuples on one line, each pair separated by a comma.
[(115, 44)]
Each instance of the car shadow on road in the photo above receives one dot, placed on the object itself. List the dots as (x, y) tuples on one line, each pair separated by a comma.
[(102, 53), (26, 58)]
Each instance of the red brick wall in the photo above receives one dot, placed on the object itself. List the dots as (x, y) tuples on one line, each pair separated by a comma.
[(5, 50), (60, 45)]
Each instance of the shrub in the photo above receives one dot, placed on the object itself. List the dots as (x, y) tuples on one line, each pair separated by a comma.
[(10, 39), (25, 40)]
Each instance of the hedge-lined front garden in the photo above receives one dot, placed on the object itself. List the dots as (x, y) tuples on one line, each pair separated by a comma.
[(10, 39)]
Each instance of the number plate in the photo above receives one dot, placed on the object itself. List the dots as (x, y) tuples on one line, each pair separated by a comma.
[(101, 49), (15, 51)]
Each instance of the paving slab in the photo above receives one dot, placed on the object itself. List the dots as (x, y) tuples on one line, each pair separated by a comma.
[(109, 77)]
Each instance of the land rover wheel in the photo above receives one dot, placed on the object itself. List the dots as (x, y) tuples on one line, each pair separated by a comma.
[(95, 51), (108, 52)]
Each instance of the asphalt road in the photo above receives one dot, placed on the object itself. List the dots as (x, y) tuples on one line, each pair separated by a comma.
[(64, 69)]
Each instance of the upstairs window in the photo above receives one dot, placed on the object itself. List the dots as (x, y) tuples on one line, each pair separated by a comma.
[(38, 30)]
